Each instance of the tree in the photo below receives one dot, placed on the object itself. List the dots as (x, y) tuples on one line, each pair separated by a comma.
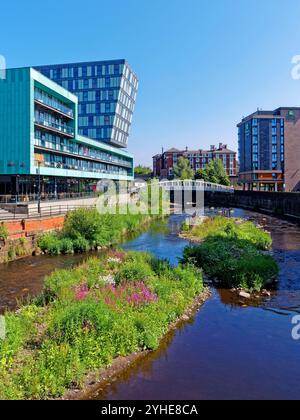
[(214, 172), (142, 170), (183, 170)]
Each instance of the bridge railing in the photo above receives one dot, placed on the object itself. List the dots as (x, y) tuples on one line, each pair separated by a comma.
[(186, 184)]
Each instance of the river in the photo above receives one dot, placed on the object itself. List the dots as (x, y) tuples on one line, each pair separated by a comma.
[(227, 351)]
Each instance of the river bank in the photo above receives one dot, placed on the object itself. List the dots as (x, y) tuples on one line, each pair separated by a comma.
[(85, 318), (99, 380), (230, 349)]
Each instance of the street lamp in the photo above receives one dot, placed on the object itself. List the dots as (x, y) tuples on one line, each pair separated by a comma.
[(39, 186), (39, 161)]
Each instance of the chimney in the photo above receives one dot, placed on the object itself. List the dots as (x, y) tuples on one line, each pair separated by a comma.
[(220, 145), (212, 148), (186, 149), (162, 150)]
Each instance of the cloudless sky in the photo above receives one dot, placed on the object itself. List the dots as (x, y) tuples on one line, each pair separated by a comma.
[(202, 65)]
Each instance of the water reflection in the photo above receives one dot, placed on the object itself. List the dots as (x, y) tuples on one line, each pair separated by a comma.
[(231, 350)]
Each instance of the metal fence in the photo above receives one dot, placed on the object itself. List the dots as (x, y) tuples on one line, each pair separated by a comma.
[(46, 211), (34, 198)]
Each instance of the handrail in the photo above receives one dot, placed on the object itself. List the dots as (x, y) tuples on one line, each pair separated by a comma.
[(48, 211), (207, 186), (33, 198)]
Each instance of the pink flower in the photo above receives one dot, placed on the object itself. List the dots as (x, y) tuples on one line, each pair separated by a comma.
[(81, 292)]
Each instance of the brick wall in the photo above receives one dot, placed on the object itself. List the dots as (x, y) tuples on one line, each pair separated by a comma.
[(18, 229)]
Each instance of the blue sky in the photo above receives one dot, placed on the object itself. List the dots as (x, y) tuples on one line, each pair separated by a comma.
[(202, 65)]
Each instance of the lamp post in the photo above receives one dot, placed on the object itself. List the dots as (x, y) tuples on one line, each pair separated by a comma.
[(17, 188), (39, 161), (39, 187)]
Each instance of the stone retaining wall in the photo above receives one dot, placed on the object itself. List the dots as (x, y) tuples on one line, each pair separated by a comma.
[(23, 236), (279, 204)]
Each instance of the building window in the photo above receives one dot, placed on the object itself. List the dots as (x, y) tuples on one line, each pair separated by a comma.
[(274, 139), (254, 122), (274, 122), (64, 73)]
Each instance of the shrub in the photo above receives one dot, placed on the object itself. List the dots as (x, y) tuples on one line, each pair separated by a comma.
[(3, 232), (86, 229), (232, 228), (66, 246), (133, 271), (233, 262), (50, 243), (81, 245)]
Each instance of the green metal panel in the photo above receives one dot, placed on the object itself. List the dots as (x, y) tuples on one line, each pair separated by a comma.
[(15, 122)]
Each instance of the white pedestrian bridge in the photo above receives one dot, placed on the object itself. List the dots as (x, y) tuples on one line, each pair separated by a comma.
[(186, 185)]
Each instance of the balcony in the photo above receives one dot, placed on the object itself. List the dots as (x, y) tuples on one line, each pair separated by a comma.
[(52, 103), (56, 128), (61, 165), (64, 152), (65, 112)]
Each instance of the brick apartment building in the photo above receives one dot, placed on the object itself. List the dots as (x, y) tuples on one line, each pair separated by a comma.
[(163, 163), (269, 150)]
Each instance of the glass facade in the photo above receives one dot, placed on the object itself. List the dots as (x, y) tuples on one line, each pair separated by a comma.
[(41, 149), (262, 150), (55, 144), (106, 92)]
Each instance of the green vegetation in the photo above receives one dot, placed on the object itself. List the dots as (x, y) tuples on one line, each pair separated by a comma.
[(86, 229), (87, 316), (3, 232), (142, 170), (183, 169), (231, 253), (214, 172), (230, 228)]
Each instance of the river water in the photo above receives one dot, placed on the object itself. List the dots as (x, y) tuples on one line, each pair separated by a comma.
[(227, 351)]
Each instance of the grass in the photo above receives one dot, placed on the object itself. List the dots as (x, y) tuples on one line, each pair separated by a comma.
[(86, 229), (231, 253), (232, 228), (81, 322)]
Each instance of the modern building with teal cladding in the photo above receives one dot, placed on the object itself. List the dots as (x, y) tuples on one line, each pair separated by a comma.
[(39, 136)]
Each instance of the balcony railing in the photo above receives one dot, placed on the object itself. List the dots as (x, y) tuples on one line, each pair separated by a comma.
[(61, 165), (51, 103), (57, 127), (77, 154)]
